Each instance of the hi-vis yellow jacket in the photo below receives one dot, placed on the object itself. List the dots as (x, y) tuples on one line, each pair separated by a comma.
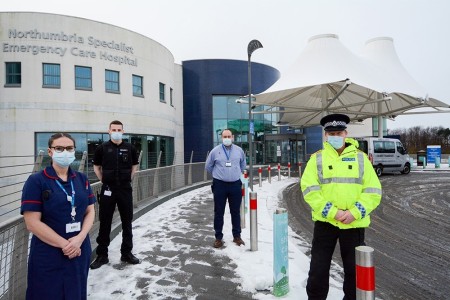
[(347, 182)]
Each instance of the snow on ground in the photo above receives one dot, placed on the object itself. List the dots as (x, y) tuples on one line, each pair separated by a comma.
[(119, 281)]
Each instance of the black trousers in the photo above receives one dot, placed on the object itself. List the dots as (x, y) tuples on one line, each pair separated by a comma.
[(122, 196), (323, 244)]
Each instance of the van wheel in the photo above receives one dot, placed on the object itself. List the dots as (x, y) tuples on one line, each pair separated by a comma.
[(406, 169), (379, 170)]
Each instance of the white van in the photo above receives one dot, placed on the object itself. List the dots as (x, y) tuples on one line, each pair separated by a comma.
[(386, 155)]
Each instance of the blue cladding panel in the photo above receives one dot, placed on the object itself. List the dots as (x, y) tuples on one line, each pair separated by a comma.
[(204, 78)]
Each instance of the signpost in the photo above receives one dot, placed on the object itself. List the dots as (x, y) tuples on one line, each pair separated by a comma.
[(433, 152)]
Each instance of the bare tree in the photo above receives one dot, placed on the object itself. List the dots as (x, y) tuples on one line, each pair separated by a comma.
[(418, 138)]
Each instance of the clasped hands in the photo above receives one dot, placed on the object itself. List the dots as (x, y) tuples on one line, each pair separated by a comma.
[(73, 248), (344, 216)]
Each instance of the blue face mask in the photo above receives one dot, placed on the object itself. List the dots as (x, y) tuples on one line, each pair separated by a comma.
[(63, 159), (336, 141), (117, 136)]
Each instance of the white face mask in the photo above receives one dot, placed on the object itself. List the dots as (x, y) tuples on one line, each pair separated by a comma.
[(63, 159), (116, 136), (226, 141)]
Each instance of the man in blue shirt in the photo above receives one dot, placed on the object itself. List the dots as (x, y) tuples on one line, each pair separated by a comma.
[(225, 163)]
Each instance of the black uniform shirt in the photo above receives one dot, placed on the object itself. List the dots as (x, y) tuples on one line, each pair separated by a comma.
[(116, 162)]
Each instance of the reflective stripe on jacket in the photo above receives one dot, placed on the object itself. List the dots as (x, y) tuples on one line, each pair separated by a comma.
[(347, 182)]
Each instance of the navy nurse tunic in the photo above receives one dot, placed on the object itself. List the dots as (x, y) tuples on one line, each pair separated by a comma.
[(51, 274)]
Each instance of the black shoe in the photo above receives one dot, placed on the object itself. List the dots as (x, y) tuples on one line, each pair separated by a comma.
[(99, 261), (130, 258)]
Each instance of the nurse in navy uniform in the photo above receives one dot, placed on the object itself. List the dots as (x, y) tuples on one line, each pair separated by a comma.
[(58, 208)]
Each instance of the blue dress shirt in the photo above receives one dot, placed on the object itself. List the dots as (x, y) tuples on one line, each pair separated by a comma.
[(226, 163)]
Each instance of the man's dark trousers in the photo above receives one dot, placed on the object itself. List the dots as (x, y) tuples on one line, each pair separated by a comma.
[(323, 244), (233, 192), (122, 196)]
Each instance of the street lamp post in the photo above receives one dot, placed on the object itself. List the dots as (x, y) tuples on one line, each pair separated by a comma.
[(252, 46)]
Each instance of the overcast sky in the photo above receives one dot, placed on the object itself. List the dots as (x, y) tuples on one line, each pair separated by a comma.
[(199, 29)]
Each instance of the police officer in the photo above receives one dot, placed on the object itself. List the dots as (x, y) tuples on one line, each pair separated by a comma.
[(340, 185), (115, 163)]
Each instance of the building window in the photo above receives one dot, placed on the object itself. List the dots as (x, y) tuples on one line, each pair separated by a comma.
[(152, 147), (83, 78), (162, 92), (138, 89), (234, 116), (112, 81), (51, 75), (13, 74), (171, 96)]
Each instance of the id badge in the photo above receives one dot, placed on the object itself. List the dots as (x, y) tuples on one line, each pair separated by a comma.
[(107, 193), (228, 164), (72, 227)]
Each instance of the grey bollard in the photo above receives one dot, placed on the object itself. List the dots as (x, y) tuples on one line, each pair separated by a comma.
[(270, 175), (243, 207), (260, 176), (365, 273), (279, 172), (253, 222)]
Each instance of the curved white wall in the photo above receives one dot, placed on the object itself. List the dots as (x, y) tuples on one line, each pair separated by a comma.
[(31, 108)]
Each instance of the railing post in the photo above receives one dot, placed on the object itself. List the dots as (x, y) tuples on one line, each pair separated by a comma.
[(205, 173), (279, 172), (82, 162), (253, 222), (19, 258), (172, 178), (280, 253), (289, 170), (135, 182), (190, 169), (38, 162), (243, 206), (260, 176), (270, 175), (365, 273), (156, 178)]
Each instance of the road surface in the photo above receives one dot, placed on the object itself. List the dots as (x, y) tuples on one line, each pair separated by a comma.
[(410, 233)]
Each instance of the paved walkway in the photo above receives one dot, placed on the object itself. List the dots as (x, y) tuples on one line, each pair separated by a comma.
[(181, 263)]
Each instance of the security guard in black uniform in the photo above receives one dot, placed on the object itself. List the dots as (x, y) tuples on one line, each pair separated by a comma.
[(115, 163)]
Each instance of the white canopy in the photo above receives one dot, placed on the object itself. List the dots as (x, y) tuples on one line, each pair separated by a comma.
[(329, 78)]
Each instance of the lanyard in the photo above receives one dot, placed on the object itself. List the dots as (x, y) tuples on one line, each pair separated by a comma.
[(71, 199), (226, 153)]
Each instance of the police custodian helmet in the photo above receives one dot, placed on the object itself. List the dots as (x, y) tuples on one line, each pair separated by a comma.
[(335, 122)]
